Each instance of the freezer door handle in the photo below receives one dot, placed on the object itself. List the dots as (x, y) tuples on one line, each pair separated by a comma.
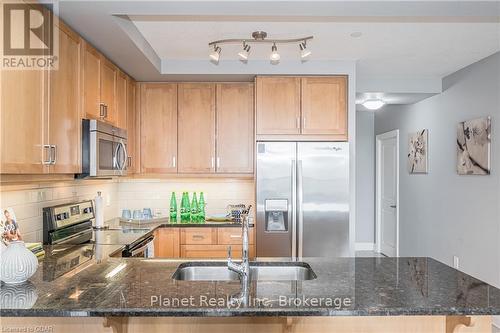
[(293, 210), (300, 214)]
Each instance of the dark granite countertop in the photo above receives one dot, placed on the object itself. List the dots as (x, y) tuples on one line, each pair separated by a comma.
[(103, 286)]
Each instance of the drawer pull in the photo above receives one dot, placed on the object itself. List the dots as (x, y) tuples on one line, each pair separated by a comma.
[(235, 236), (198, 237)]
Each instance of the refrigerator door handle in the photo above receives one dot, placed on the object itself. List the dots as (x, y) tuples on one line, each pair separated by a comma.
[(293, 210), (300, 213)]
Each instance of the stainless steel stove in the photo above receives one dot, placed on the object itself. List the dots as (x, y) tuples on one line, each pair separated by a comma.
[(72, 224)]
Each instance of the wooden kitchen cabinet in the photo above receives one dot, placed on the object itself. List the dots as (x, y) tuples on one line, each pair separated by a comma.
[(158, 128), (22, 121), (99, 86), (235, 128), (196, 128), (278, 105), (108, 90), (40, 118), (132, 133), (64, 125), (198, 236), (121, 100), (166, 243), (324, 105), (229, 236), (92, 83)]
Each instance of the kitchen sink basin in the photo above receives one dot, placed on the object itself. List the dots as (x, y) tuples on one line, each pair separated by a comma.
[(259, 271)]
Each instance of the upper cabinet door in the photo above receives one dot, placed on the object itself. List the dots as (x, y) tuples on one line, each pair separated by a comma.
[(158, 128), (278, 105), (64, 104), (324, 105), (92, 83), (108, 90), (235, 128), (21, 127), (131, 127), (121, 100), (196, 128)]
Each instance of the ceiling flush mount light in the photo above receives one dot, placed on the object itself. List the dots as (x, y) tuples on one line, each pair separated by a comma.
[(215, 54), (373, 104), (275, 56), (304, 52), (259, 37), (243, 54)]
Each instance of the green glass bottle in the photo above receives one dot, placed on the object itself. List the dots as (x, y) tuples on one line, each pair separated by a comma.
[(201, 208), (194, 209), (185, 210), (173, 208)]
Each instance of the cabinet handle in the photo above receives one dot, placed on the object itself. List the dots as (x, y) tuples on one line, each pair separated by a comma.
[(213, 161), (53, 150), (101, 110), (129, 161), (105, 111), (48, 153), (298, 122), (234, 236), (173, 162), (304, 122), (218, 162), (198, 237)]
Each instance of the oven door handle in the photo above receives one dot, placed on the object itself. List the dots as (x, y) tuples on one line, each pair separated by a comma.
[(78, 234)]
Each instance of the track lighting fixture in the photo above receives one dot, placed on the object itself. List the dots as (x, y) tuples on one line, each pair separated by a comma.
[(304, 52), (243, 54), (215, 55), (275, 56), (259, 37)]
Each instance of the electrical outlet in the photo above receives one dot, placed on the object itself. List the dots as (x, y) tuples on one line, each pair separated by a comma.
[(456, 262)]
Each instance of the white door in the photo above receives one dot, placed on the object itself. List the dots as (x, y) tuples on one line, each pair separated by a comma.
[(387, 193)]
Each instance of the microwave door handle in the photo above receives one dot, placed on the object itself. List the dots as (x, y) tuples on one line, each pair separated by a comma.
[(123, 165)]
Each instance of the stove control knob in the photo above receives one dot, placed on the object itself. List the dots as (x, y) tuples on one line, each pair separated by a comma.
[(87, 210)]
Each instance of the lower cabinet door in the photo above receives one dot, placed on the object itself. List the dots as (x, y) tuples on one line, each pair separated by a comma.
[(166, 243)]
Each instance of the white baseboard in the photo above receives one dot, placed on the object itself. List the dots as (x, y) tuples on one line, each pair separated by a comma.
[(365, 246)]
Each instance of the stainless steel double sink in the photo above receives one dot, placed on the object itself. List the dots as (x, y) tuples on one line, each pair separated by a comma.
[(259, 271)]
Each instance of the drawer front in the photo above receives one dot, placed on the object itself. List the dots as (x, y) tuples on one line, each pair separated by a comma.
[(198, 236), (213, 251), (233, 236)]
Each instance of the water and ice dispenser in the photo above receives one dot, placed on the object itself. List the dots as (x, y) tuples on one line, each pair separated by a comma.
[(276, 215)]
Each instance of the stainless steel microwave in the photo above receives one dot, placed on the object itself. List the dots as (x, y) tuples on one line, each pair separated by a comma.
[(104, 150)]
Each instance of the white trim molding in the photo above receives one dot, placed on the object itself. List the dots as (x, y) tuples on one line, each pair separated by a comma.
[(365, 246)]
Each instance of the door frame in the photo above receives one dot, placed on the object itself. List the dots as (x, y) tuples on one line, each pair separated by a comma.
[(378, 181)]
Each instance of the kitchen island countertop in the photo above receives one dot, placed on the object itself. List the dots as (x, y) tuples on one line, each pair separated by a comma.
[(106, 286)]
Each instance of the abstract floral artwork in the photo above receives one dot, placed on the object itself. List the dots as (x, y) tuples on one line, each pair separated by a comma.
[(417, 151), (473, 146)]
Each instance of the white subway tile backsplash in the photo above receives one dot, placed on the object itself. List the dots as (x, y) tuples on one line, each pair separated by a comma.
[(121, 194)]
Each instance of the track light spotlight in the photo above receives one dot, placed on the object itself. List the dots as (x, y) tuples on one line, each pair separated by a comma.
[(215, 55), (243, 54), (304, 52), (275, 56)]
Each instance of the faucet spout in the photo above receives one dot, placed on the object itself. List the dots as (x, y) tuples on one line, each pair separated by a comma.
[(242, 269)]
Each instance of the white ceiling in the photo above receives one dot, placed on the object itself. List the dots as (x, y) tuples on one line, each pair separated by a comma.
[(384, 48), (405, 49)]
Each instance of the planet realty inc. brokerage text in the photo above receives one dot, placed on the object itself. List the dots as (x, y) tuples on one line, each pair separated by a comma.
[(204, 301)]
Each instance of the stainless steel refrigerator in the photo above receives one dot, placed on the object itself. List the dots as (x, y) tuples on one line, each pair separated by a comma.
[(302, 199)]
